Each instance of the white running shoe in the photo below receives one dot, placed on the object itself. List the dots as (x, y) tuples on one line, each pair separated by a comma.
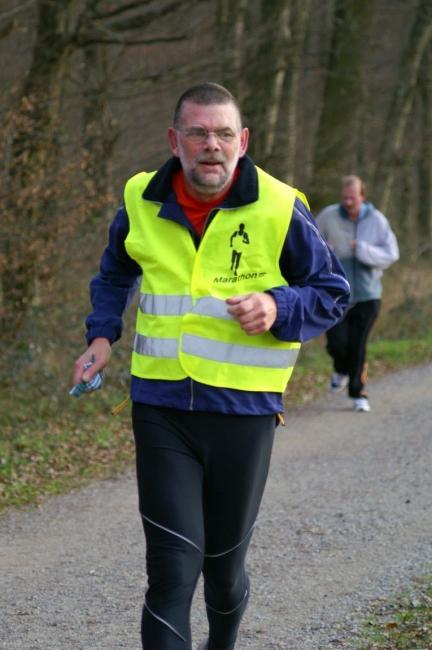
[(338, 382), (361, 405)]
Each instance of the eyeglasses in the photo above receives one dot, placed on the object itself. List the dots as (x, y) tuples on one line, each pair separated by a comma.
[(198, 134)]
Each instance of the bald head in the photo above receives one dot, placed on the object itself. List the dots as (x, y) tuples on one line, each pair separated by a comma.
[(205, 94)]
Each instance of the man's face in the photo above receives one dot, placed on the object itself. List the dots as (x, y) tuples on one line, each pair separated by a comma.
[(352, 199), (208, 164)]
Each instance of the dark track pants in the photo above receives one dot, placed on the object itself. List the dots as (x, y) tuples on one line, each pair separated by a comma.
[(346, 344), (201, 477)]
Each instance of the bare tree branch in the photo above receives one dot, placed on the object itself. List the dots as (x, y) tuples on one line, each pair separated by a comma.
[(115, 39), (16, 10), (120, 10), (92, 28), (140, 20)]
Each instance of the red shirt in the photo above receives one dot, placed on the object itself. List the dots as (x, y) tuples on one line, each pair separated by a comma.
[(196, 211)]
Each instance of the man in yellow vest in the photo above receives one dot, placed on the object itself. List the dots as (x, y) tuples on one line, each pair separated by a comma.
[(214, 348)]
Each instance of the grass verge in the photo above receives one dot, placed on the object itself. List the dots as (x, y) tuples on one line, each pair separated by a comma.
[(401, 624), (51, 444)]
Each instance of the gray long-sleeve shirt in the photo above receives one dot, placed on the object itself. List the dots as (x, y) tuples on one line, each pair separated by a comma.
[(375, 250)]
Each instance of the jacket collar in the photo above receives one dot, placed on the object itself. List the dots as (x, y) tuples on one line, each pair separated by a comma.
[(365, 208), (244, 190)]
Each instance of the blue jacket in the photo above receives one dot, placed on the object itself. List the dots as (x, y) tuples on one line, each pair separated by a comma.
[(315, 299)]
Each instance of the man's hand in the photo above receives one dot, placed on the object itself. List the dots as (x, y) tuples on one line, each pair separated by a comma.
[(100, 350), (256, 312)]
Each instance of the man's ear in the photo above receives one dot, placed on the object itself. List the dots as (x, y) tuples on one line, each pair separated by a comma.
[(244, 141), (172, 139)]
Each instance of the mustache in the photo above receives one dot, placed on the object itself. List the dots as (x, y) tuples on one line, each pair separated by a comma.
[(211, 159)]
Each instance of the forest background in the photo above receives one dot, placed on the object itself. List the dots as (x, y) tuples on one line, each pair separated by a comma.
[(87, 90)]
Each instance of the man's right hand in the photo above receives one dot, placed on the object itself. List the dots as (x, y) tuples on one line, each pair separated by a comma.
[(100, 351)]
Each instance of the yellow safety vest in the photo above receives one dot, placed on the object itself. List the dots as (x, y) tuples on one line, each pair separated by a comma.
[(183, 328)]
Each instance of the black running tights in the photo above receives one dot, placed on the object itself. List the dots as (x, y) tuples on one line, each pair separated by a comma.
[(201, 477)]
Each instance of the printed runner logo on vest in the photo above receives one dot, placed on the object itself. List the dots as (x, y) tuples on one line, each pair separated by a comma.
[(238, 243), (240, 239)]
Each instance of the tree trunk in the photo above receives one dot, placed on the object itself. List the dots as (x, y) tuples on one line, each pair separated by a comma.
[(232, 41), (283, 159), (34, 152), (420, 39), (337, 137), (101, 132), (424, 219), (267, 77)]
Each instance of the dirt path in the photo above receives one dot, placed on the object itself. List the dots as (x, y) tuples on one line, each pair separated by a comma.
[(346, 519)]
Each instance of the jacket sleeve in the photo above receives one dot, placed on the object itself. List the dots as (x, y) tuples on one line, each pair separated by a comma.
[(382, 253), (318, 291), (112, 289)]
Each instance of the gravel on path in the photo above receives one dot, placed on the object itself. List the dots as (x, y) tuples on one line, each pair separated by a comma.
[(346, 520)]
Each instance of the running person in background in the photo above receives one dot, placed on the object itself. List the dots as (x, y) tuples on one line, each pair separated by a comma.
[(212, 354), (362, 238)]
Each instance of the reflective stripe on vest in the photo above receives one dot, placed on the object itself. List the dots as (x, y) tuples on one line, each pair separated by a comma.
[(238, 354), (179, 305), (156, 347), (183, 326), (215, 350), (165, 305)]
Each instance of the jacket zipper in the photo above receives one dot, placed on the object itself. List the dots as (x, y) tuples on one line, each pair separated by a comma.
[(198, 242), (207, 222), (191, 403), (355, 224)]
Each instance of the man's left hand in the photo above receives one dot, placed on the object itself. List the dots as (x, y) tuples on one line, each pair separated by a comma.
[(255, 312)]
